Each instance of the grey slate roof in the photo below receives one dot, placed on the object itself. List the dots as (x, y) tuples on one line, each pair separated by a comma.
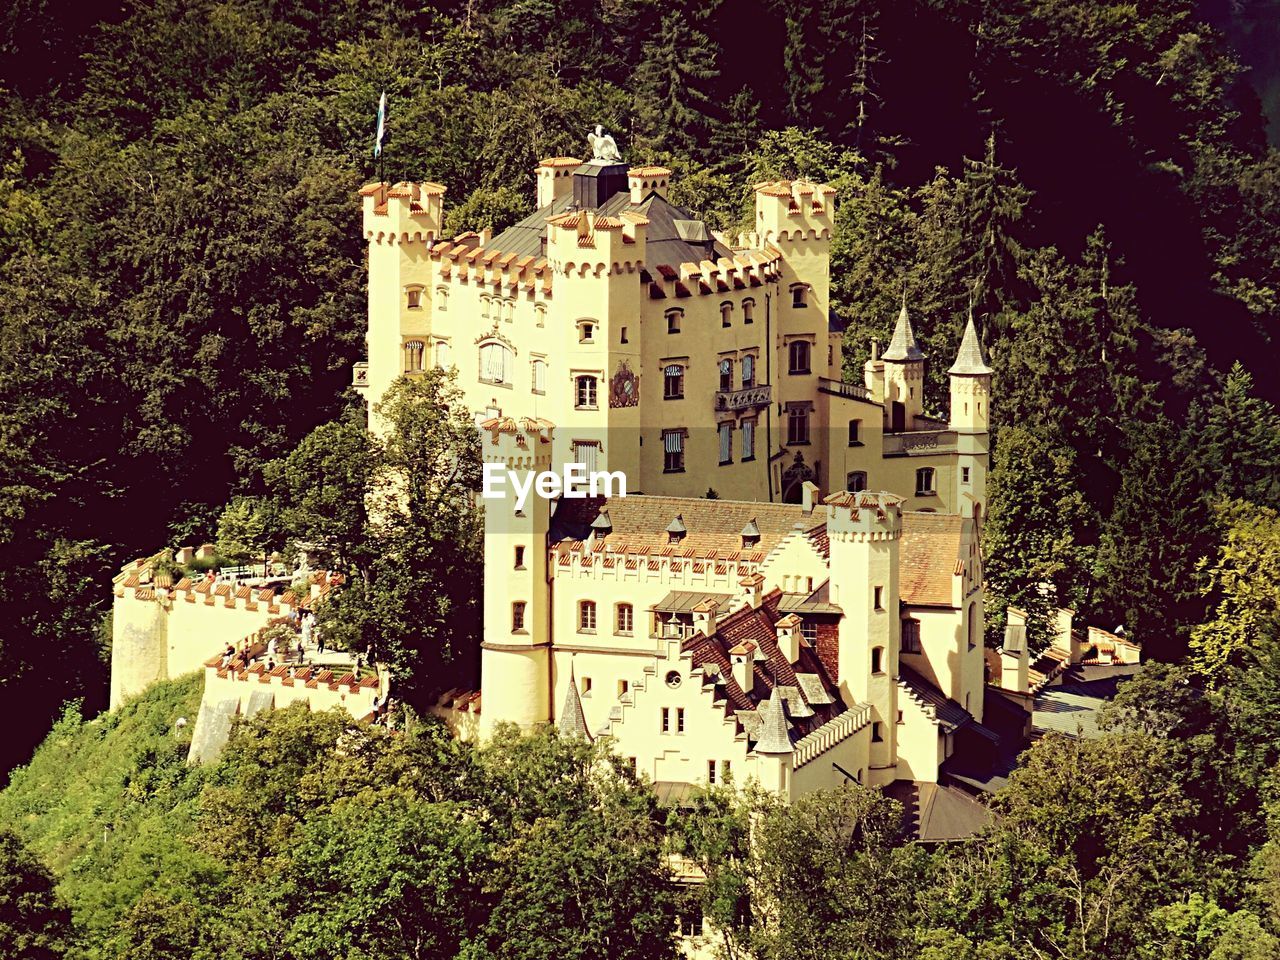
[(775, 737), (573, 722), (969, 359), (1072, 706), (670, 238), (950, 715), (903, 346)]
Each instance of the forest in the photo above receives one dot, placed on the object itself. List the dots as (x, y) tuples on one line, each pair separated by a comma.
[(181, 300)]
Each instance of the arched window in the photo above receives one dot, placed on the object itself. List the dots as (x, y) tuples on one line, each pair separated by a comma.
[(540, 314), (749, 371), (799, 356), (856, 481), (726, 314), (626, 618), (495, 363), (924, 481), (877, 659), (587, 616), (673, 382), (726, 374), (413, 298), (673, 320), (413, 351), (799, 295), (442, 360), (485, 303), (539, 375), (442, 299), (509, 307), (748, 311)]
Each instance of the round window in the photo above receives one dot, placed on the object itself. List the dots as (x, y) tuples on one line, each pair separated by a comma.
[(673, 678)]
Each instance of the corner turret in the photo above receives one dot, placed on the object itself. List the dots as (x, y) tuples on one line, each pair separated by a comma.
[(903, 376), (970, 419)]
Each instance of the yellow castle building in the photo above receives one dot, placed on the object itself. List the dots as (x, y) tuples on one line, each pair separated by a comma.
[(659, 350), (799, 629)]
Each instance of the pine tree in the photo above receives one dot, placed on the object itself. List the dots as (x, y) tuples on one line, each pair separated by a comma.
[(673, 108), (1242, 437)]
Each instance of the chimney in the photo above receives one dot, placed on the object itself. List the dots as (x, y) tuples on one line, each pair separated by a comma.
[(602, 526), (752, 588), (206, 552), (1014, 657), (808, 493), (750, 534), (555, 179), (789, 637), (186, 555), (742, 658), (1066, 637), (704, 617), (643, 181)]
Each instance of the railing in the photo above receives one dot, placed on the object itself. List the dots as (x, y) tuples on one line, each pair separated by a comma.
[(757, 396), (831, 733), (842, 389), (360, 375), (919, 442)]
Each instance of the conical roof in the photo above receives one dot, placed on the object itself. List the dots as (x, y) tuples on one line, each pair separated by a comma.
[(774, 735), (573, 722), (969, 359), (903, 346)]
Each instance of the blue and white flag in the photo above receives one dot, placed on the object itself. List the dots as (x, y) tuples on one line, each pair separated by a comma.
[(382, 124)]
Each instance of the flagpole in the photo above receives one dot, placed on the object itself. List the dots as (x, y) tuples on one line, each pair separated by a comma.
[(377, 142)]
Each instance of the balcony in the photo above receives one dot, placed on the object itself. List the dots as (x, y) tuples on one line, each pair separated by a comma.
[(743, 399), (841, 389), (360, 375), (919, 443)]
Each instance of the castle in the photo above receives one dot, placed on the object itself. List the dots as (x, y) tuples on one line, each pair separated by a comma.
[(799, 628)]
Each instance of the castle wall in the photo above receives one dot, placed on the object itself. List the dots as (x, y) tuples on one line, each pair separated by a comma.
[(139, 646), (921, 745)]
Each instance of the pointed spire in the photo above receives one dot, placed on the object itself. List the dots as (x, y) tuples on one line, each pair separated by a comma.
[(969, 359), (775, 738), (903, 346), (573, 722)]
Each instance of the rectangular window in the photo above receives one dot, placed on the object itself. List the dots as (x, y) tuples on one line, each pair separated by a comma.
[(748, 311), (749, 371), (586, 399), (442, 354), (726, 443), (539, 375), (910, 636), (622, 337), (413, 298), (711, 772), (799, 296), (625, 618), (924, 481), (673, 382), (679, 719), (672, 451), (748, 439), (587, 616), (879, 598), (726, 314), (585, 684), (673, 321), (520, 558), (413, 350), (517, 616), (666, 719), (798, 357), (809, 631), (725, 769), (798, 425), (585, 452), (856, 481), (964, 474), (623, 686), (853, 433)]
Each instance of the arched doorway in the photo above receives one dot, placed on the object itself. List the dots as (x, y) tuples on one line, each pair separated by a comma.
[(793, 480)]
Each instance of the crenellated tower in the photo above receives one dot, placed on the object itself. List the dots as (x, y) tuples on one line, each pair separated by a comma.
[(864, 530), (970, 419), (515, 661), (400, 223)]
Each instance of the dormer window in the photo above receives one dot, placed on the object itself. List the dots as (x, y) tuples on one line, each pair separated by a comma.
[(676, 530)]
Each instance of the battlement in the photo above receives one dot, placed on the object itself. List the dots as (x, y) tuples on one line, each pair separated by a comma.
[(518, 442), (794, 210), (403, 212), (864, 515), (587, 243), (464, 260)]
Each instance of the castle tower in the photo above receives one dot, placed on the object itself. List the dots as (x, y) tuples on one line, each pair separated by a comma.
[(596, 260), (970, 418), (864, 531), (400, 222), (515, 663), (903, 376)]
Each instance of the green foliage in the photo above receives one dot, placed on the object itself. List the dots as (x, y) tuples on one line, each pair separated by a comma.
[(34, 924)]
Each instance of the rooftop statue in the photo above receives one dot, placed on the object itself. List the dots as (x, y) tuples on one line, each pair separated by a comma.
[(603, 146)]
